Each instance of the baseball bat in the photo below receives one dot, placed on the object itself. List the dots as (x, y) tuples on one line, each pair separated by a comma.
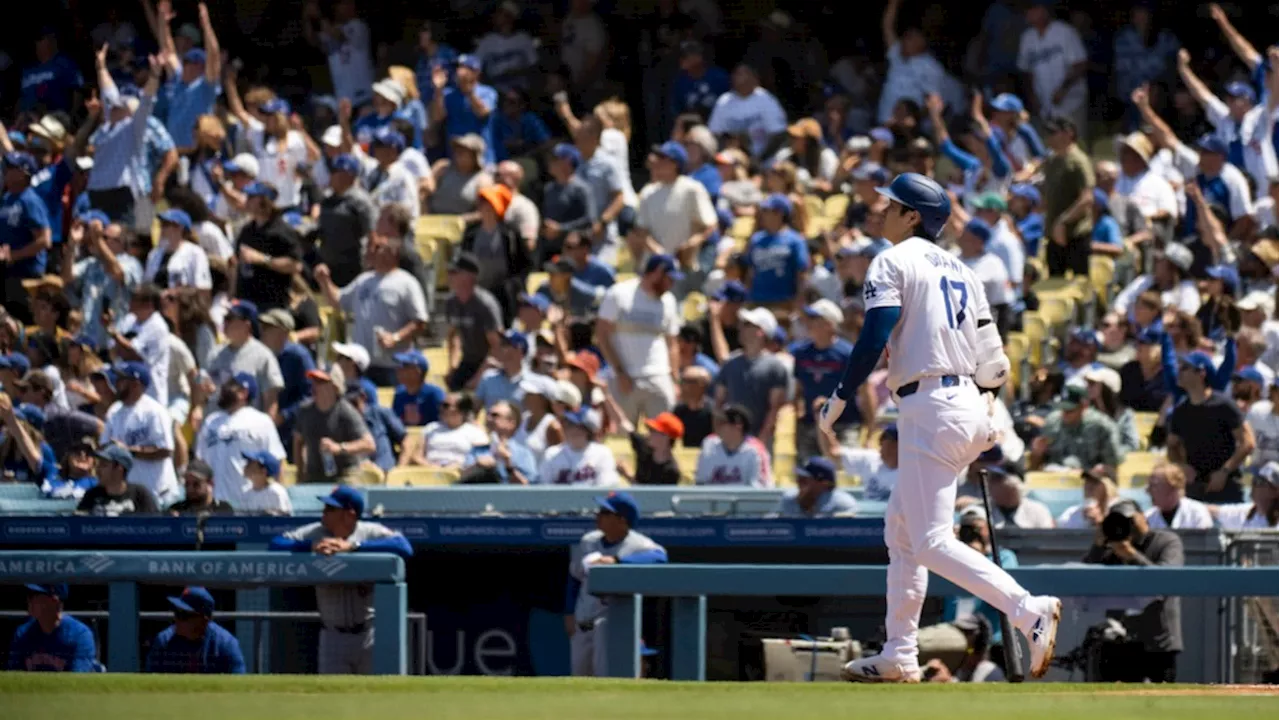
[(1012, 649)]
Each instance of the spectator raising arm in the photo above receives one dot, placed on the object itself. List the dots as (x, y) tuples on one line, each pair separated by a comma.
[(213, 51), (1213, 106), (889, 23), (1243, 49)]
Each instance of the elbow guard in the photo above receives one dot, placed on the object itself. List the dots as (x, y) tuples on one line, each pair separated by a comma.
[(993, 365)]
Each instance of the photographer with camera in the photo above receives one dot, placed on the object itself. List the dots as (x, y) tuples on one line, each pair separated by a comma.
[(1154, 632)]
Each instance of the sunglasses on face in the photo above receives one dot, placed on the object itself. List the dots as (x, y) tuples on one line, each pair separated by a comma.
[(449, 406)]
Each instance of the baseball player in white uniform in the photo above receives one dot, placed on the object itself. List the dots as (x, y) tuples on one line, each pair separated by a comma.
[(943, 348)]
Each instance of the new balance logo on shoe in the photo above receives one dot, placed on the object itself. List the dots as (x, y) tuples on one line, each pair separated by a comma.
[(871, 671)]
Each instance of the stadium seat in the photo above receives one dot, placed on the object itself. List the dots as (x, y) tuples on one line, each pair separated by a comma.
[(742, 228), (620, 445), (784, 469), (438, 359), (1037, 332), (687, 460), (421, 477), (1054, 479), (835, 207), (412, 439), (385, 396), (37, 506), (1136, 467), (288, 475), (1057, 311), (1102, 271), (624, 276), (1145, 422), (534, 281), (19, 491), (367, 475), (444, 232), (694, 307)]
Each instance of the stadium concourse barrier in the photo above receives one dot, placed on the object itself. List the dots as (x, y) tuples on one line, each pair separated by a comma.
[(123, 572), (688, 585)]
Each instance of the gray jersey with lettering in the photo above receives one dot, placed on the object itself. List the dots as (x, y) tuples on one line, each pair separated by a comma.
[(589, 607), (344, 606)]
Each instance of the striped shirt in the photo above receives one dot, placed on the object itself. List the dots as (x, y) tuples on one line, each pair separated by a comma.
[(119, 148), (155, 145)]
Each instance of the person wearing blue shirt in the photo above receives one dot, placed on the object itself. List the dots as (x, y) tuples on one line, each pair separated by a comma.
[(503, 382), (192, 89), (466, 108), (194, 643), (50, 181), (51, 641), (701, 146), (25, 232), (698, 84), (416, 402), (1024, 205), (387, 430), (778, 257), (503, 460), (517, 132), (52, 82), (432, 54), (1107, 238), (295, 362), (28, 458), (819, 362)]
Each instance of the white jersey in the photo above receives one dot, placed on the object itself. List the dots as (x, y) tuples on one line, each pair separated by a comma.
[(145, 423), (993, 275), (748, 465), (877, 478), (593, 466), (1048, 58), (759, 115), (941, 303), (150, 338), (270, 500), (350, 62), (223, 441), (278, 162), (1242, 516), (188, 266), (1190, 515), (395, 185), (1266, 430)]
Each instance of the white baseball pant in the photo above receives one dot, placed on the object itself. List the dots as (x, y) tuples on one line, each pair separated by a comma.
[(940, 431), (587, 650)]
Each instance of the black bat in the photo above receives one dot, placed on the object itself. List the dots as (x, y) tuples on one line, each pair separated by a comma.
[(1012, 650)]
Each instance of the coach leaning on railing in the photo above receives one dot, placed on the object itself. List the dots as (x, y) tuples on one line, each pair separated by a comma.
[(346, 611)]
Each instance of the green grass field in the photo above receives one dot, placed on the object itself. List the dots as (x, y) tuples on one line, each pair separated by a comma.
[(141, 697)]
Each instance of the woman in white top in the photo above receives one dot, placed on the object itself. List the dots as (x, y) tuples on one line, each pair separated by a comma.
[(1100, 494), (615, 139), (177, 261), (78, 362), (208, 234), (1261, 514), (264, 496), (539, 428), (447, 442)]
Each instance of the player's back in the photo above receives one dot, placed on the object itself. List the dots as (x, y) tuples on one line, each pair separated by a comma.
[(941, 302)]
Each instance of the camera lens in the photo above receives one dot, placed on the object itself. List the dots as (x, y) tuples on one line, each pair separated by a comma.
[(1117, 527)]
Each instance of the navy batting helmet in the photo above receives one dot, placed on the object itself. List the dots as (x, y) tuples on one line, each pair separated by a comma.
[(922, 195)]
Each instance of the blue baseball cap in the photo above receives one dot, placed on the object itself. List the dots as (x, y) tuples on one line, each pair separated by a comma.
[(389, 136), (979, 229), (346, 162), (732, 291), (195, 600), (518, 340), (91, 215), (1027, 191), (890, 431), (412, 358), (345, 497), (870, 171), (536, 300), (248, 382), (566, 151), (1149, 336), (817, 468), (777, 202), (177, 217), (1088, 336), (880, 134), (58, 590), (1007, 102), (470, 61), (665, 263), (260, 189), (626, 220), (195, 56), (1250, 374), (17, 362), (266, 460), (34, 416), (293, 219), (17, 138), (84, 341), (1199, 360), (117, 454), (21, 160), (621, 504), (674, 152), (1211, 143), (244, 310), (1229, 276), (275, 105), (1239, 89), (132, 371)]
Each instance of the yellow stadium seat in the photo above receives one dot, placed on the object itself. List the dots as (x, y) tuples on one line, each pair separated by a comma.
[(814, 205), (1036, 331), (1041, 269), (437, 359), (687, 460), (847, 481), (421, 477), (1102, 271), (1145, 422), (742, 228), (694, 307), (624, 276), (1054, 480), (835, 208), (784, 470), (426, 247), (1057, 311), (412, 440), (385, 396), (534, 281), (624, 262), (621, 447), (440, 227), (1135, 468), (288, 475)]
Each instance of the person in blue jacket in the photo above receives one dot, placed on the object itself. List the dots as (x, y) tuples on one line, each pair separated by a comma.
[(416, 402), (194, 643), (51, 641)]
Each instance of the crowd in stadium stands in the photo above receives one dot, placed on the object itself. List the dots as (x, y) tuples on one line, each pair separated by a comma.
[(484, 260)]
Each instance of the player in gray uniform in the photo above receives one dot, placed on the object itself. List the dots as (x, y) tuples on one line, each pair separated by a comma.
[(346, 611), (613, 541)]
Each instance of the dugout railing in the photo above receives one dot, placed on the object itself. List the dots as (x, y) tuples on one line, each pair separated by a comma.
[(1252, 625)]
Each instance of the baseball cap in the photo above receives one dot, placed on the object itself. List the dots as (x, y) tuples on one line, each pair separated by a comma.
[(195, 56), (1179, 255), (990, 201), (353, 352), (133, 371), (621, 504), (58, 590), (666, 263), (560, 265), (674, 152), (1073, 396), (1088, 336), (1105, 376), (569, 395), (193, 600), (388, 136), (279, 318), (584, 417), (92, 215), (777, 202), (1227, 274), (566, 151), (1250, 374), (732, 291), (389, 90), (333, 375), (586, 361), (880, 134), (818, 468), (1269, 474), (691, 47), (1256, 300), (266, 460), (31, 415), (1149, 336), (346, 163), (117, 454), (242, 163), (469, 61), (332, 136), (666, 423), (345, 497), (979, 229), (535, 384), (17, 362), (890, 431), (1238, 89), (260, 189), (243, 310), (465, 262), (1211, 143), (246, 381), (275, 105), (1198, 360), (516, 339), (1007, 102), (177, 217), (412, 358), (870, 171), (21, 160), (827, 310), (762, 318), (537, 300), (1026, 191)]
